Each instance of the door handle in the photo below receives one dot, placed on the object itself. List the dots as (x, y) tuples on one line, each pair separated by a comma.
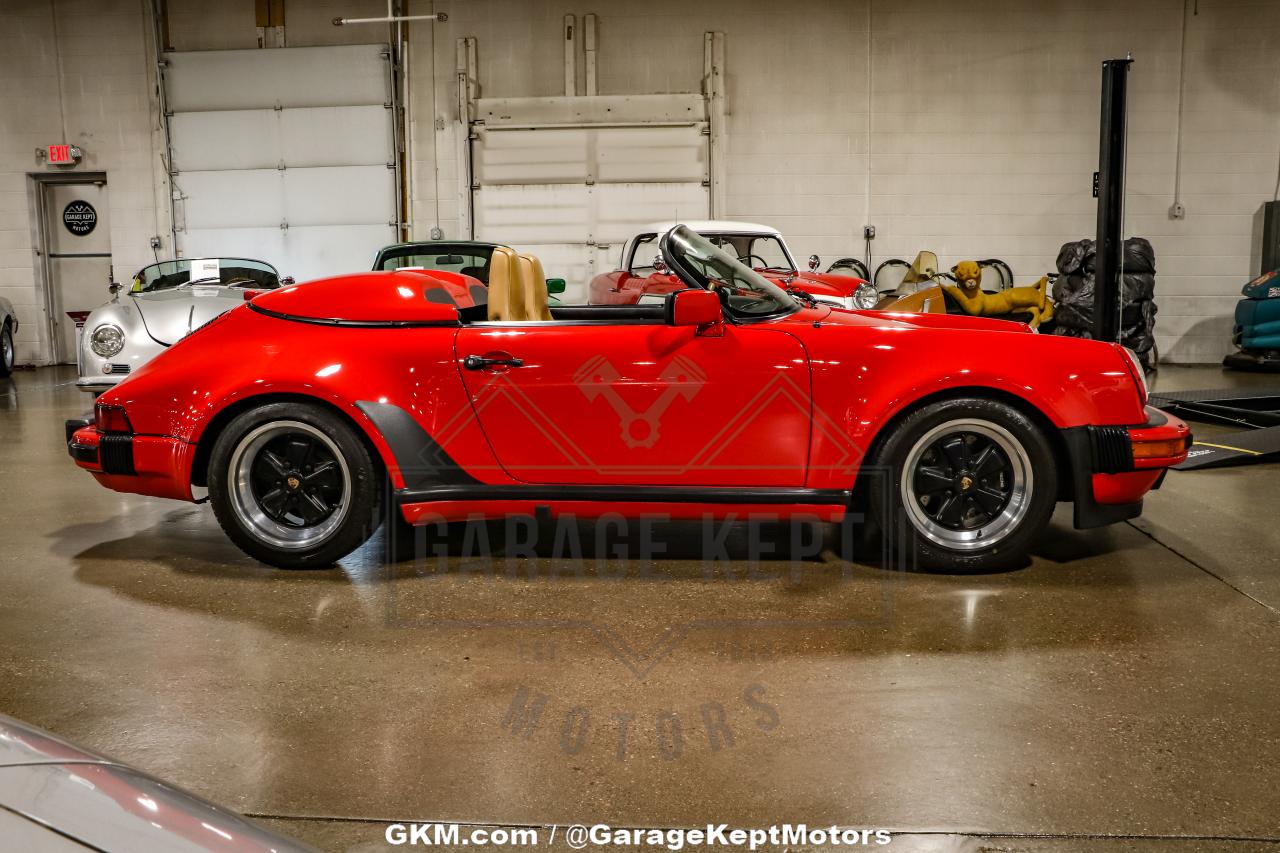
[(480, 362)]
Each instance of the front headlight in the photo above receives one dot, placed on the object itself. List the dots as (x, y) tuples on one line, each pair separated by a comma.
[(1138, 373), (865, 297), (106, 340)]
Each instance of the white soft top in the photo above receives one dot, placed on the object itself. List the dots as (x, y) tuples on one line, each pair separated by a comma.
[(711, 226)]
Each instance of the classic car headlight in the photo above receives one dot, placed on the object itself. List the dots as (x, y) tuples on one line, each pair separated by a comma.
[(865, 297), (106, 340)]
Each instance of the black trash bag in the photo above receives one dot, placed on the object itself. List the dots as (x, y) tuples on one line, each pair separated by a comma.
[(1139, 257), (1076, 257), (1136, 287), (1073, 303), (1065, 287), (1140, 337)]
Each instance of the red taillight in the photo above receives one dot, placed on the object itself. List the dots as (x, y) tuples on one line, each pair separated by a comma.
[(111, 418)]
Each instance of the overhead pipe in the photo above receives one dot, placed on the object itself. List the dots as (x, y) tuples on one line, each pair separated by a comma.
[(392, 18)]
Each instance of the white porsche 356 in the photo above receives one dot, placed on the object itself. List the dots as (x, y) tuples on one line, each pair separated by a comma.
[(165, 302)]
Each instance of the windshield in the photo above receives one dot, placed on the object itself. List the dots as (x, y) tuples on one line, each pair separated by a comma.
[(232, 272), (463, 258), (764, 252), (745, 292)]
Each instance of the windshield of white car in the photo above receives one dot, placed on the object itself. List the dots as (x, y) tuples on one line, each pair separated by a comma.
[(761, 252), (745, 293), (232, 272)]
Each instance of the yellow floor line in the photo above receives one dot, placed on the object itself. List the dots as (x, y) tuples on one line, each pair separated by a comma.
[(1229, 447)]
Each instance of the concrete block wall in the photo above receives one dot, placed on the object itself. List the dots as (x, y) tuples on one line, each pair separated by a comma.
[(75, 71), (969, 128)]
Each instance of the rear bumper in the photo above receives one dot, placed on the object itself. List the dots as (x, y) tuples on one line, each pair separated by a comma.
[(139, 464), (1113, 467)]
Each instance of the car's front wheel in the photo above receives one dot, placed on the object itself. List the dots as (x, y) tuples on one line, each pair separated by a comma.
[(293, 485), (971, 484)]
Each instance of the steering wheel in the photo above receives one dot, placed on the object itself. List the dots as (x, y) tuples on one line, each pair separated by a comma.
[(747, 260)]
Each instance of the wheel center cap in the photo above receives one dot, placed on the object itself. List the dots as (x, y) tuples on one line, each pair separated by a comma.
[(293, 483), (966, 483)]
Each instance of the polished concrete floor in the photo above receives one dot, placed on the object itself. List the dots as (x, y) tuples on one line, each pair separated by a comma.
[(1120, 692)]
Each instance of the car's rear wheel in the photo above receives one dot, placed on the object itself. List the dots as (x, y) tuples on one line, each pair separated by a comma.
[(972, 484), (6, 349), (293, 485)]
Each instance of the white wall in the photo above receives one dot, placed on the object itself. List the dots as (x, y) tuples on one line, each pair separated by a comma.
[(966, 127)]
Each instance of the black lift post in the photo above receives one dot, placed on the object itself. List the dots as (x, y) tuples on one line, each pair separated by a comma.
[(1110, 193)]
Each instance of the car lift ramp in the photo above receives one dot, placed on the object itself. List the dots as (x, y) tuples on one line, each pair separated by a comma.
[(1257, 409)]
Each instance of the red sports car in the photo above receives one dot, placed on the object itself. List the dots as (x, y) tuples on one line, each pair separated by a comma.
[(645, 277), (731, 398)]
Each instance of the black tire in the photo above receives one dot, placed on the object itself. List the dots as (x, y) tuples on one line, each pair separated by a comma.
[(275, 509), (983, 478), (6, 350)]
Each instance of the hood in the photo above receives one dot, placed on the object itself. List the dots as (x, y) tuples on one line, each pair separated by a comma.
[(171, 315), (819, 284)]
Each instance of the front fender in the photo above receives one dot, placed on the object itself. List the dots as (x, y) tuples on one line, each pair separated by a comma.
[(139, 347)]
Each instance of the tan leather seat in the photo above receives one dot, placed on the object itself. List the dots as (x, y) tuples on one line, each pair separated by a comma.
[(534, 281), (506, 286)]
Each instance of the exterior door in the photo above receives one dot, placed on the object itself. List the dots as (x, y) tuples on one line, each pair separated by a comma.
[(642, 403), (77, 246)]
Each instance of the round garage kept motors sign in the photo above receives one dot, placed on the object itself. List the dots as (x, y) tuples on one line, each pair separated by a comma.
[(79, 217)]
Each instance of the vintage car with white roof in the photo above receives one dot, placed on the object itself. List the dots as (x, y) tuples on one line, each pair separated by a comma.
[(642, 277)]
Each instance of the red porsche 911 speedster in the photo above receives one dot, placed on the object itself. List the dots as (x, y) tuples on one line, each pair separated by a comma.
[(301, 409)]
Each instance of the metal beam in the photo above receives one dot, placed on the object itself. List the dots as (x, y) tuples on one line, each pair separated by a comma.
[(1110, 245)]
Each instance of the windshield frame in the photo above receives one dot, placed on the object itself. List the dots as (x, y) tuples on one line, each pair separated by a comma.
[(140, 276), (785, 303)]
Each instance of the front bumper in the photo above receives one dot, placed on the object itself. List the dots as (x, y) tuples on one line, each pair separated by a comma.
[(1113, 467)]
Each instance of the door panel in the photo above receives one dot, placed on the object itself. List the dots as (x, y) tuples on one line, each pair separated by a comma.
[(79, 265), (642, 404)]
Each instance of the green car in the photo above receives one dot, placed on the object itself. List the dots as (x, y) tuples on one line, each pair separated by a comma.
[(466, 257)]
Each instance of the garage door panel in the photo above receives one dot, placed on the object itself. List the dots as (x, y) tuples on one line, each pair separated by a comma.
[(348, 195), (333, 136), (651, 154), (302, 252), (623, 209), (264, 139), (264, 244), (532, 157), (293, 76), (231, 199), (235, 139), (533, 214)]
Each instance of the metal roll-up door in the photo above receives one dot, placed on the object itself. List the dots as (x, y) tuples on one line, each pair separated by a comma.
[(572, 187), (286, 155)]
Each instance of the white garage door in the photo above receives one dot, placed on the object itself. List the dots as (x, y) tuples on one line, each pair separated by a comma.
[(285, 155), (573, 194)]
